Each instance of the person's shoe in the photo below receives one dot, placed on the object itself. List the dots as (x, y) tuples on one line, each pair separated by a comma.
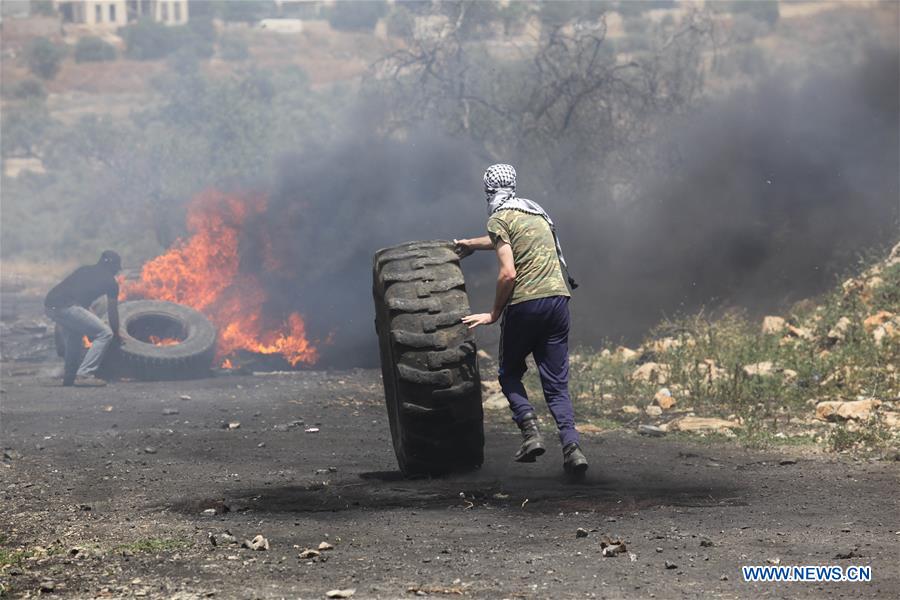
[(86, 381), (532, 440), (574, 461)]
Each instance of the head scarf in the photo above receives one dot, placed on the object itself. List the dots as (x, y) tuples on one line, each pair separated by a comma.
[(500, 187)]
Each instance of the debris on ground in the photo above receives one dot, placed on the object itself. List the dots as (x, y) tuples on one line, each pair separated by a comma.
[(840, 410), (340, 593), (308, 553), (257, 543), (670, 565), (701, 424), (611, 547), (325, 546), (581, 532), (664, 399), (651, 430)]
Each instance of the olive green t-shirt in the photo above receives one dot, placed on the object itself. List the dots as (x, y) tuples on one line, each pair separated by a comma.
[(538, 271)]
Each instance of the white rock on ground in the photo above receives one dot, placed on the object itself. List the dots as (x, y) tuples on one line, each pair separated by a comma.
[(772, 325), (702, 424), (840, 410), (651, 372)]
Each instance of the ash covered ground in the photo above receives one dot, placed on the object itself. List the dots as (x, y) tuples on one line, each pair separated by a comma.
[(149, 489)]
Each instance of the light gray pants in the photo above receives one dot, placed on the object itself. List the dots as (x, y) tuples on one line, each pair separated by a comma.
[(76, 323)]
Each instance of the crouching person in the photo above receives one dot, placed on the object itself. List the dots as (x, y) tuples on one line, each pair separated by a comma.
[(67, 304)]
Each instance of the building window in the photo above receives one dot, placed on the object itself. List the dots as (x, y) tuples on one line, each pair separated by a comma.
[(98, 13), (177, 8), (164, 7), (112, 13)]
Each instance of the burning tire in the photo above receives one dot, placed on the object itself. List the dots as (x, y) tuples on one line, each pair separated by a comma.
[(160, 341), (428, 362)]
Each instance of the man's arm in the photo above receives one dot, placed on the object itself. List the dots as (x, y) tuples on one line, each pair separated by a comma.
[(506, 282), (112, 311), (467, 246)]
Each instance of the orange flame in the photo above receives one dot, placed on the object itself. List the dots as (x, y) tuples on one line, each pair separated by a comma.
[(203, 272), (158, 341)]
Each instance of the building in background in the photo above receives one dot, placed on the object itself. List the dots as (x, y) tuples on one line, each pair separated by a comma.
[(102, 14)]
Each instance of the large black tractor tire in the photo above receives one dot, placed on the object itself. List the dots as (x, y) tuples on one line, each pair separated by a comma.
[(428, 359), (138, 358)]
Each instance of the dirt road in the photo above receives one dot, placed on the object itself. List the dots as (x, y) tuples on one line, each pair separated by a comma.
[(116, 492)]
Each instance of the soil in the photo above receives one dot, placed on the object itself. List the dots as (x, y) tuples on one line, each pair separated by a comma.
[(115, 485)]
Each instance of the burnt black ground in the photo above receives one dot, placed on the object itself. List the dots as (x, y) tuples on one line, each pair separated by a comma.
[(117, 471)]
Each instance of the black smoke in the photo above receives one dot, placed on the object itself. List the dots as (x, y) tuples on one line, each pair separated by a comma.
[(756, 199)]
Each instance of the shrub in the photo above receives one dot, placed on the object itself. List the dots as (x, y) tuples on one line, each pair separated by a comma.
[(44, 58), (356, 16), (233, 48), (147, 40), (28, 89), (93, 49)]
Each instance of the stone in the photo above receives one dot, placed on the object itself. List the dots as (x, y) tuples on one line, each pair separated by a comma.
[(257, 543), (483, 355), (760, 369), (492, 395), (581, 532), (325, 546), (346, 593), (702, 424), (664, 399), (891, 419), (653, 411), (150, 450), (789, 375), (630, 409), (651, 430), (308, 553), (839, 331), (889, 330), (840, 410), (772, 325), (711, 371), (800, 333), (625, 354), (651, 372), (894, 257), (170, 411), (664, 345), (670, 565), (873, 321)]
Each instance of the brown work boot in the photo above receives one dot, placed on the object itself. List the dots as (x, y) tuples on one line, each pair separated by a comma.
[(532, 440)]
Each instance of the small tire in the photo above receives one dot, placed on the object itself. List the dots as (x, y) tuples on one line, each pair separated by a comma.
[(137, 358), (428, 359)]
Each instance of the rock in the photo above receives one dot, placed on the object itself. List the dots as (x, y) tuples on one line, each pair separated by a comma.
[(773, 325), (581, 532), (891, 419), (664, 399), (150, 450), (308, 553), (840, 410), (707, 543), (894, 257), (340, 593), (323, 546), (483, 355), (760, 369), (630, 409), (889, 330), (651, 430), (48, 586), (873, 321), (221, 538), (184, 397), (311, 430), (589, 428), (710, 371), (787, 461), (257, 543), (612, 547), (625, 354), (651, 372), (800, 333), (664, 345), (233, 425), (702, 424), (789, 375), (170, 411), (208, 511), (670, 565), (653, 411), (492, 396), (839, 331)]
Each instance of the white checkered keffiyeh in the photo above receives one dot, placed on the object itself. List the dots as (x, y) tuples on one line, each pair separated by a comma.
[(500, 187)]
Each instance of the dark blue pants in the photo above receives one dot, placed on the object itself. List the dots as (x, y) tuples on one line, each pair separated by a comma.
[(539, 327)]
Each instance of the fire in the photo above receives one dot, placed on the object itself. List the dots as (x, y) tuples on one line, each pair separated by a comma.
[(158, 341), (203, 272), (86, 341)]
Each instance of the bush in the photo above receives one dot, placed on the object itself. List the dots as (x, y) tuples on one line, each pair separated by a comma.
[(147, 40), (233, 48), (28, 89), (356, 16), (44, 58), (93, 49)]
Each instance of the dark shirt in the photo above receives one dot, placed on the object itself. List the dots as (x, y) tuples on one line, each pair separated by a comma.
[(82, 287)]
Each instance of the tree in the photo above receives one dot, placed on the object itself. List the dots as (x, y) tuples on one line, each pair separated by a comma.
[(44, 58), (353, 15), (93, 49)]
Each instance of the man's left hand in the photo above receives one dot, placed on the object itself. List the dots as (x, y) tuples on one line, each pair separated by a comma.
[(477, 319)]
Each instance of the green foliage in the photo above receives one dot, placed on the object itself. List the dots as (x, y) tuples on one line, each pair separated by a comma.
[(93, 49), (28, 89), (233, 47), (26, 129), (356, 15), (868, 436), (148, 40), (44, 58)]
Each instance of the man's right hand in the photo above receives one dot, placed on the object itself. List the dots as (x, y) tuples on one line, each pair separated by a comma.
[(463, 247)]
